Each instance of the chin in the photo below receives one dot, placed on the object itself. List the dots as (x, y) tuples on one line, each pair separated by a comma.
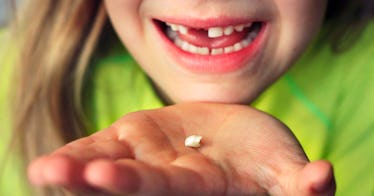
[(244, 100)]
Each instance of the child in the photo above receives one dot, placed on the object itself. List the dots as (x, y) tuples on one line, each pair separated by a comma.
[(227, 52)]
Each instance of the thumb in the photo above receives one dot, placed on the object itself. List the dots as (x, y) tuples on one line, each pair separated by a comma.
[(315, 179)]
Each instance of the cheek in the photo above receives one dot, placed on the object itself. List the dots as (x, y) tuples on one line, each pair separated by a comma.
[(131, 25), (298, 21), (301, 19), (125, 15)]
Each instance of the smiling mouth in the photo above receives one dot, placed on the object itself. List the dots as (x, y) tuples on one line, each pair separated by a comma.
[(213, 46), (211, 41)]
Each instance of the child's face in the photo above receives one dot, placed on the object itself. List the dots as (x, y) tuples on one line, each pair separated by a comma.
[(178, 44)]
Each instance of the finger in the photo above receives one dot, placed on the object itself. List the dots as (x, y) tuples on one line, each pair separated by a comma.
[(313, 179), (88, 149), (35, 171), (110, 177), (138, 178), (57, 170), (317, 178)]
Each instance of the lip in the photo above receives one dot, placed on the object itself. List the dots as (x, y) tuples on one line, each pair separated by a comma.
[(212, 64), (207, 23)]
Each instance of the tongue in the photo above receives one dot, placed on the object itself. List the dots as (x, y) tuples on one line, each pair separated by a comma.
[(199, 37)]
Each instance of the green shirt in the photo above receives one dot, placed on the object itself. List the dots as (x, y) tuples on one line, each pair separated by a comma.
[(326, 99)]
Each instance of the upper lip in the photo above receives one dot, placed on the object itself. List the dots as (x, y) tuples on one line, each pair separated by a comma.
[(198, 23)]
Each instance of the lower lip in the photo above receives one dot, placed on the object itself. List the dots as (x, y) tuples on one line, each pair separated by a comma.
[(214, 64)]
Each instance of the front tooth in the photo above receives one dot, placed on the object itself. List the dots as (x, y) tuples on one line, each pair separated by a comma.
[(229, 30), (228, 49), (215, 32), (203, 50), (182, 29), (193, 49), (217, 51)]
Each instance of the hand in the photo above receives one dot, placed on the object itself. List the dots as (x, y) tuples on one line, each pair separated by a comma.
[(243, 152)]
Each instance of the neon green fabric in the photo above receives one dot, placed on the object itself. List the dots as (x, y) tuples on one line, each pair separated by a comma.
[(116, 86), (326, 99)]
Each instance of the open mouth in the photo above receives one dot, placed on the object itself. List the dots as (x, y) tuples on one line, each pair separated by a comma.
[(213, 46), (216, 40)]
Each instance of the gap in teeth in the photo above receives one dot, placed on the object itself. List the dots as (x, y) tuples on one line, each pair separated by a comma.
[(188, 47), (213, 32)]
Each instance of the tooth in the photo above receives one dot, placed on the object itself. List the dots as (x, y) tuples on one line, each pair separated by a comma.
[(229, 30), (215, 32), (229, 49), (245, 42), (185, 46), (237, 47), (203, 50), (239, 28), (248, 25), (216, 51), (178, 42), (193, 141), (193, 49), (173, 27), (182, 29)]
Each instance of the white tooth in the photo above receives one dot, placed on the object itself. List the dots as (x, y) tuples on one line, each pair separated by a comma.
[(229, 49), (185, 46), (173, 27), (239, 28), (237, 47), (192, 49), (182, 29), (203, 50), (193, 141), (245, 42), (216, 51), (215, 32), (228, 30), (178, 42), (248, 25)]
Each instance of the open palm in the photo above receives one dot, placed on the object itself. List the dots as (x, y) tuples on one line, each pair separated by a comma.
[(243, 152)]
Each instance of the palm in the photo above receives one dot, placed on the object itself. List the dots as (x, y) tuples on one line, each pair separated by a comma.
[(243, 152)]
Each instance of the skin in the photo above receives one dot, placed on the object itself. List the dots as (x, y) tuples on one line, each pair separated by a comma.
[(291, 25), (144, 154), (244, 151)]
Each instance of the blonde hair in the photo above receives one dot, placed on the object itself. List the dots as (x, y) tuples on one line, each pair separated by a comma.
[(56, 46)]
